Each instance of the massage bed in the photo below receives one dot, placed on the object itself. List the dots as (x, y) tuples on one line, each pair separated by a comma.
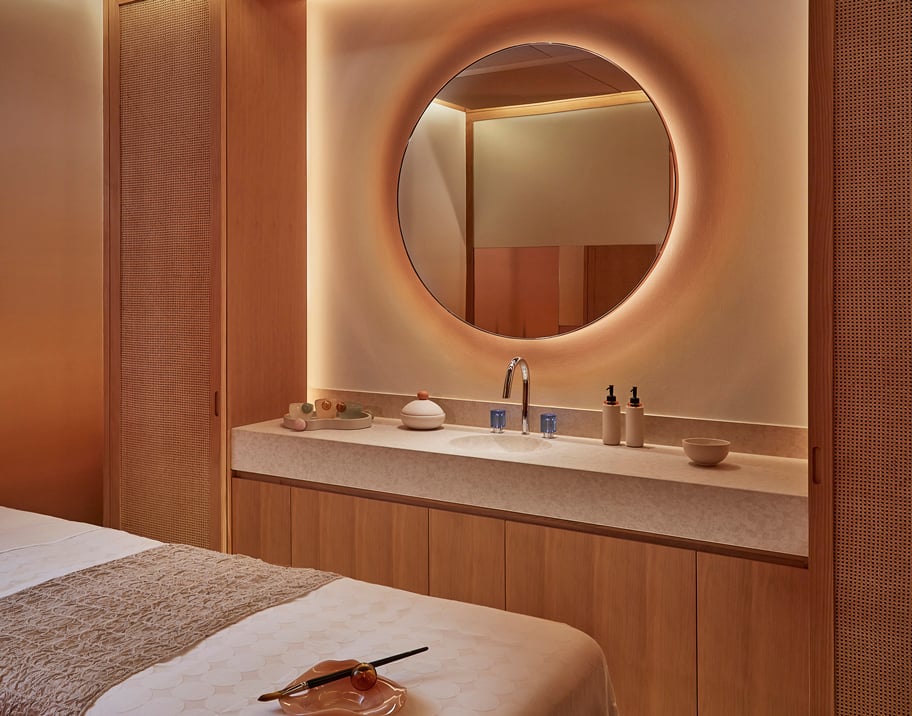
[(59, 618)]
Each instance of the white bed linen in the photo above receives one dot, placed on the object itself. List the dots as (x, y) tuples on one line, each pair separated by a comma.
[(480, 661)]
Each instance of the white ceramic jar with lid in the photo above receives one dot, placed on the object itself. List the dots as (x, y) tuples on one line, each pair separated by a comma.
[(422, 414)]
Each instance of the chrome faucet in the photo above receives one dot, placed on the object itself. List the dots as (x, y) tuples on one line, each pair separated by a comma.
[(508, 384)]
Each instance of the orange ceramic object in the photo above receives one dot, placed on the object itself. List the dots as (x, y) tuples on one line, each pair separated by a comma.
[(364, 677), (341, 697)]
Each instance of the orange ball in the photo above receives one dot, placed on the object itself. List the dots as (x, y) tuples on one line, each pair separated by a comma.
[(363, 677)]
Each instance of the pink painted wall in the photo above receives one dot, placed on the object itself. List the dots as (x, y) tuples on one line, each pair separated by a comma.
[(51, 241)]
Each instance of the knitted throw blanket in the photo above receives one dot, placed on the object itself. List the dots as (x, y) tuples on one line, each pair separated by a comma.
[(65, 642)]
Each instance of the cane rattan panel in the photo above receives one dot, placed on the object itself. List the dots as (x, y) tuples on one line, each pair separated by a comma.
[(872, 369), (166, 244)]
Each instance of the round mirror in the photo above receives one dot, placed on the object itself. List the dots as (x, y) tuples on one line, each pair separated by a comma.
[(536, 190)]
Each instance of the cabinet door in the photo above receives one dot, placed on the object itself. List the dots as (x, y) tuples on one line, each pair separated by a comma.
[(466, 558), (261, 520), (636, 599), (164, 287), (752, 631), (372, 540)]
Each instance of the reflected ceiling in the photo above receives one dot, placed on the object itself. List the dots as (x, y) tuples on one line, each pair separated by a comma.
[(535, 73)]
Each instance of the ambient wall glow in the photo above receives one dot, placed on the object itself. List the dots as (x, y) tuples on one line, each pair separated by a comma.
[(51, 258), (719, 328)]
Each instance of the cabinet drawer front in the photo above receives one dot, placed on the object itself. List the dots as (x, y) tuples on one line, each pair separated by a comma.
[(466, 558), (376, 541), (636, 599), (752, 621)]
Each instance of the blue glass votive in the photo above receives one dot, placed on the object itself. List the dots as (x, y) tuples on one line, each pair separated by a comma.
[(548, 425), (498, 420)]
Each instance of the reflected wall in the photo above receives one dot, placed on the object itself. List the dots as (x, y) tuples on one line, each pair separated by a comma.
[(719, 328)]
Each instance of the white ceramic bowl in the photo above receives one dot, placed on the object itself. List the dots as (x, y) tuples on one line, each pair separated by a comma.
[(706, 451)]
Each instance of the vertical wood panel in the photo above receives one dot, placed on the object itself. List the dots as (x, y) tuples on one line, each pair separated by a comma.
[(820, 352), (470, 222), (261, 520), (466, 558), (637, 600), (516, 290), (266, 208), (612, 272), (752, 632), (375, 541)]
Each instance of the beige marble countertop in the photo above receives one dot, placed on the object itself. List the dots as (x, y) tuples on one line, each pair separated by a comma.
[(749, 501)]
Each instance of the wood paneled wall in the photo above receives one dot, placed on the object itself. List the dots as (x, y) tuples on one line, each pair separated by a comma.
[(266, 205)]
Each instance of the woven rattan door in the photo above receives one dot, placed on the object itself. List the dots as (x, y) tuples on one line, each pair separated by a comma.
[(206, 268), (164, 267), (861, 370)]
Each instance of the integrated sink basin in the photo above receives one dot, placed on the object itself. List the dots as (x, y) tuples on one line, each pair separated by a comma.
[(498, 443)]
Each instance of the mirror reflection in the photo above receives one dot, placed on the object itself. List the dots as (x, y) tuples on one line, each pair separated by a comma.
[(536, 190)]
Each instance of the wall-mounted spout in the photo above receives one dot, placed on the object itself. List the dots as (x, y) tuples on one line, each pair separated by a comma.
[(508, 384)]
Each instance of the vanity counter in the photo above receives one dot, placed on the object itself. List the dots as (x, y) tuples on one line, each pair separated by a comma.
[(748, 503)]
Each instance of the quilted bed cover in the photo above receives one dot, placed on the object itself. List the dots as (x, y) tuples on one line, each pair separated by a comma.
[(480, 660)]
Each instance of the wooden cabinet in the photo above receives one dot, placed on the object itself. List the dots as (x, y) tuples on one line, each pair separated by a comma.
[(261, 520), (636, 599), (752, 632), (684, 632), (205, 249), (372, 540), (466, 558)]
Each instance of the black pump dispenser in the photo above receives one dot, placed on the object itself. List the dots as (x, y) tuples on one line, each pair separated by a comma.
[(611, 419), (633, 434)]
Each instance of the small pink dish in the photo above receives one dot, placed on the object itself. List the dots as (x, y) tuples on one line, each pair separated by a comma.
[(340, 698)]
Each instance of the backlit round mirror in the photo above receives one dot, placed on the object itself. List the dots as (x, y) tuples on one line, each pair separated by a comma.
[(536, 190)]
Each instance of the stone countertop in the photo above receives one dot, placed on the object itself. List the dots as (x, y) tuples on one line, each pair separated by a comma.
[(750, 502)]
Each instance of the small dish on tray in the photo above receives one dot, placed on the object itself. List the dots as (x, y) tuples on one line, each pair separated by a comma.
[(340, 698)]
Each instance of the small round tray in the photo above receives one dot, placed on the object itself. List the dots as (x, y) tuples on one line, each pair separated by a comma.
[(340, 698)]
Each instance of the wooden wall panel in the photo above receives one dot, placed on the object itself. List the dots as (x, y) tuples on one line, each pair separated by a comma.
[(612, 273), (266, 208), (516, 290), (820, 352)]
